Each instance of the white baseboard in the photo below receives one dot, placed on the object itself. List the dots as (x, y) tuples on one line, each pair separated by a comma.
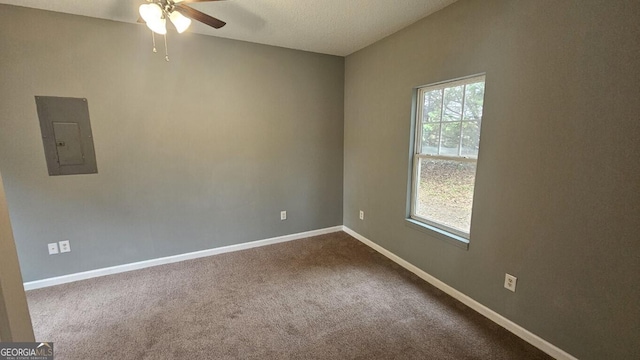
[(32, 285), (518, 330)]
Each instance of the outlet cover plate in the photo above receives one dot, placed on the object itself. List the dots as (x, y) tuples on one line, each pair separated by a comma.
[(510, 282), (53, 248), (65, 247), (361, 215), (283, 215)]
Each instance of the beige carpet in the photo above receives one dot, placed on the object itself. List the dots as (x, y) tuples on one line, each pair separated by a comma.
[(327, 297)]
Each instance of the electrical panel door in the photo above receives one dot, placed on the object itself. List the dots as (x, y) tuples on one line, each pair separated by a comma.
[(66, 135)]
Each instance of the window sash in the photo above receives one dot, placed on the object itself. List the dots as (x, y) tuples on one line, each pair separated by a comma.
[(420, 109), (414, 195)]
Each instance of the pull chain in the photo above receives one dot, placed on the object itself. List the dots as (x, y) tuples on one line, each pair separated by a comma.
[(153, 38), (166, 49)]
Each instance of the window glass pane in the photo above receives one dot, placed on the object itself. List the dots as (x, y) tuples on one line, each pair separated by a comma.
[(432, 110), (453, 103), (470, 138), (450, 141), (430, 138), (474, 96), (445, 192)]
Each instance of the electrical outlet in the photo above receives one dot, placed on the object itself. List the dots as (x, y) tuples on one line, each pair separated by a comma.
[(283, 215), (53, 248), (361, 215), (65, 247), (510, 282)]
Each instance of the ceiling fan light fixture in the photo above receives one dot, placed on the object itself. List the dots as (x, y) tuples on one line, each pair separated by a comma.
[(150, 12), (158, 26), (180, 21), (152, 15)]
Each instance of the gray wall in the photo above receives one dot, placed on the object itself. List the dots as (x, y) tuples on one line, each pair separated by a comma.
[(197, 153), (15, 321), (557, 191)]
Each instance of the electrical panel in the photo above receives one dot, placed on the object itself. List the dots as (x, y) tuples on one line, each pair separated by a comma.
[(66, 135)]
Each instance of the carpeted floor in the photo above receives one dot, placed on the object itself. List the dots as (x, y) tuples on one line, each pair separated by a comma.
[(327, 297)]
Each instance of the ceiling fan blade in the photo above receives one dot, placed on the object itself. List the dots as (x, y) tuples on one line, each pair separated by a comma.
[(199, 16)]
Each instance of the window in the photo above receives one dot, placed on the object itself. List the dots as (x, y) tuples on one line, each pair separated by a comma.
[(448, 119)]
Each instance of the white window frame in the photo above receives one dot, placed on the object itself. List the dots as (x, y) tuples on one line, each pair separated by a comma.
[(417, 148)]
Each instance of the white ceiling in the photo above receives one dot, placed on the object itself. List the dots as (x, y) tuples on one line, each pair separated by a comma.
[(336, 27)]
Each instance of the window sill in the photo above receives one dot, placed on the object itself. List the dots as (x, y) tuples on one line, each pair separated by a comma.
[(439, 234)]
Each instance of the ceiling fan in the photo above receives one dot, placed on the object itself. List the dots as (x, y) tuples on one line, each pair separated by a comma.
[(155, 13)]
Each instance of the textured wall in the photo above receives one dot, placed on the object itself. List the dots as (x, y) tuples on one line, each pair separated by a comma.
[(557, 197), (197, 153)]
